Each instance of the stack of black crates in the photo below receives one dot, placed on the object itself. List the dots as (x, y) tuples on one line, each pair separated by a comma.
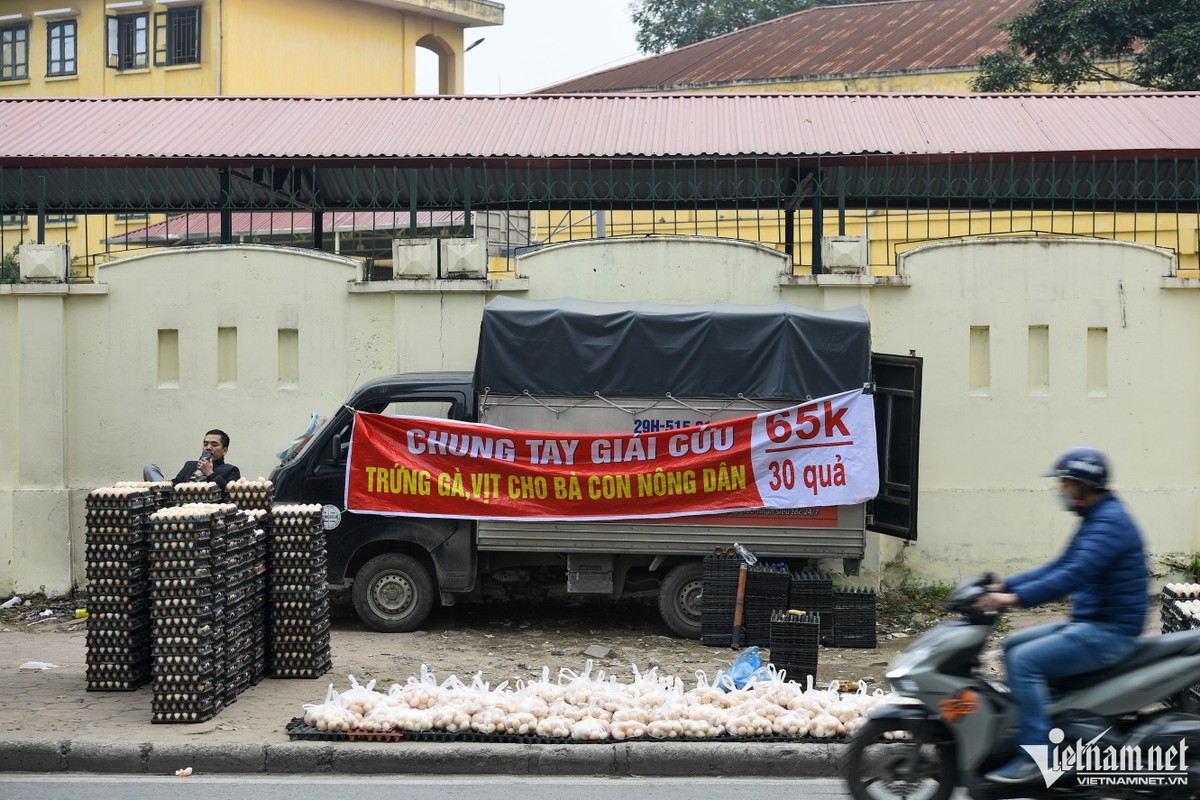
[(117, 568), (795, 641), (1179, 608), (187, 550), (854, 613), (812, 592), (245, 613), (255, 498), (719, 599), (767, 590), (299, 597)]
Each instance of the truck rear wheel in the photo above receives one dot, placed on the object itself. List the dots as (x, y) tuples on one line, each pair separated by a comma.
[(393, 593), (679, 599)]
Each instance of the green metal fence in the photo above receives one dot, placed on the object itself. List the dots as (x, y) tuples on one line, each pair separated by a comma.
[(790, 204)]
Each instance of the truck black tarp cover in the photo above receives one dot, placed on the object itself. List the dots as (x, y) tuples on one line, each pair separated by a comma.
[(572, 348)]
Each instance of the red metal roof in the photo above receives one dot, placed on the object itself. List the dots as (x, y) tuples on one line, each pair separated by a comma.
[(221, 130), (856, 39)]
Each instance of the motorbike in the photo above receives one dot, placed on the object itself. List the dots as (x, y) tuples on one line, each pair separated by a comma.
[(1128, 731)]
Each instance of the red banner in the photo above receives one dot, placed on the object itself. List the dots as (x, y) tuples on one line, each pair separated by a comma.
[(819, 454)]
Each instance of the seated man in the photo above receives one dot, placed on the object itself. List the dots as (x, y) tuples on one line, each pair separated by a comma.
[(210, 467)]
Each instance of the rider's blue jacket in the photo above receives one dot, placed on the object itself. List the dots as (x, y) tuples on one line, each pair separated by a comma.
[(1103, 569)]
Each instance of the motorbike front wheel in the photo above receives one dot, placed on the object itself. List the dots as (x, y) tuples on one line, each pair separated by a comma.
[(897, 758)]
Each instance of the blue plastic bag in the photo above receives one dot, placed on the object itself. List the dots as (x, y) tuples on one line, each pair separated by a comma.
[(747, 667)]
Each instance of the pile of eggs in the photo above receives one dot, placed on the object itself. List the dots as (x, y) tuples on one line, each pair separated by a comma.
[(581, 707)]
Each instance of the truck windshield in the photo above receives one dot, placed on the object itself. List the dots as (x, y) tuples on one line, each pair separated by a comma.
[(304, 441)]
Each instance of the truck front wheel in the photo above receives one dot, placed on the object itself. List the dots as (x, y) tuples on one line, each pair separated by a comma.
[(393, 593), (679, 599)]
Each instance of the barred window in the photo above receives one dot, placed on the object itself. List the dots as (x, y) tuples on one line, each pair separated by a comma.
[(61, 36), (177, 36), (14, 52), (129, 41)]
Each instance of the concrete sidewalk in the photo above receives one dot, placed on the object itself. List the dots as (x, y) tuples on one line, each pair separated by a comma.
[(50, 723)]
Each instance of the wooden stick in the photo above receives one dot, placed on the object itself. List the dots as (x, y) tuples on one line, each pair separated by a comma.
[(739, 607)]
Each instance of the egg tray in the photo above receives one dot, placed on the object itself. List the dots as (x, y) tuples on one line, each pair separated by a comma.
[(105, 609), (131, 502), (187, 688), (105, 685), (199, 713), (204, 592), (201, 574), (168, 567), (292, 673), (133, 552), (276, 553), (1186, 591), (174, 671), (105, 597), (315, 632), (120, 515), (313, 558), (239, 632), (117, 655), (115, 621), (137, 566), (101, 640), (112, 534)]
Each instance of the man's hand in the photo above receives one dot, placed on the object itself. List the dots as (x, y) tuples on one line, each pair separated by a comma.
[(205, 466), (993, 601)]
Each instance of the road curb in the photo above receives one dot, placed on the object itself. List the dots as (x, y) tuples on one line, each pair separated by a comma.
[(650, 759)]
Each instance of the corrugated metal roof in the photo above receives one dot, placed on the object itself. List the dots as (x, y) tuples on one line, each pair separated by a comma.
[(220, 130), (906, 35)]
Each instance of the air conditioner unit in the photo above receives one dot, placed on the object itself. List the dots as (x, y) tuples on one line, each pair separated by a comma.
[(463, 258), (414, 258), (43, 262), (844, 254)]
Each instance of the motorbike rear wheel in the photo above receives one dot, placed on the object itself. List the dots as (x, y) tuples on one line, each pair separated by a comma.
[(917, 762)]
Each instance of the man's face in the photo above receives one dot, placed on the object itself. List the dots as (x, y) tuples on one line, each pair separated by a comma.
[(212, 444), (1071, 489)]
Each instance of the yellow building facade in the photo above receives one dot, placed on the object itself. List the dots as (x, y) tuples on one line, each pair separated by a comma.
[(181, 48)]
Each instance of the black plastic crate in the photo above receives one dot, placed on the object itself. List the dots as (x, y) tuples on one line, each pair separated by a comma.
[(854, 618)]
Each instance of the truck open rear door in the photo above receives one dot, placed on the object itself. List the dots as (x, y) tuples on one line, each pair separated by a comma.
[(898, 430)]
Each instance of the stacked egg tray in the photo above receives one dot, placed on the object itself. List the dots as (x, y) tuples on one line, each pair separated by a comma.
[(795, 643), (813, 592), (854, 616), (1179, 610), (163, 492), (187, 560), (767, 590), (242, 583), (719, 599), (251, 495), (261, 520), (298, 593), (198, 492), (116, 565)]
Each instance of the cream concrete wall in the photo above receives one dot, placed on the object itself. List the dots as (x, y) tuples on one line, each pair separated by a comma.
[(89, 404), (663, 269), (983, 504)]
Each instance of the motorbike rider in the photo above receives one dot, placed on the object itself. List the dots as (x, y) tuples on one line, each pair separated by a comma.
[(1103, 570)]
